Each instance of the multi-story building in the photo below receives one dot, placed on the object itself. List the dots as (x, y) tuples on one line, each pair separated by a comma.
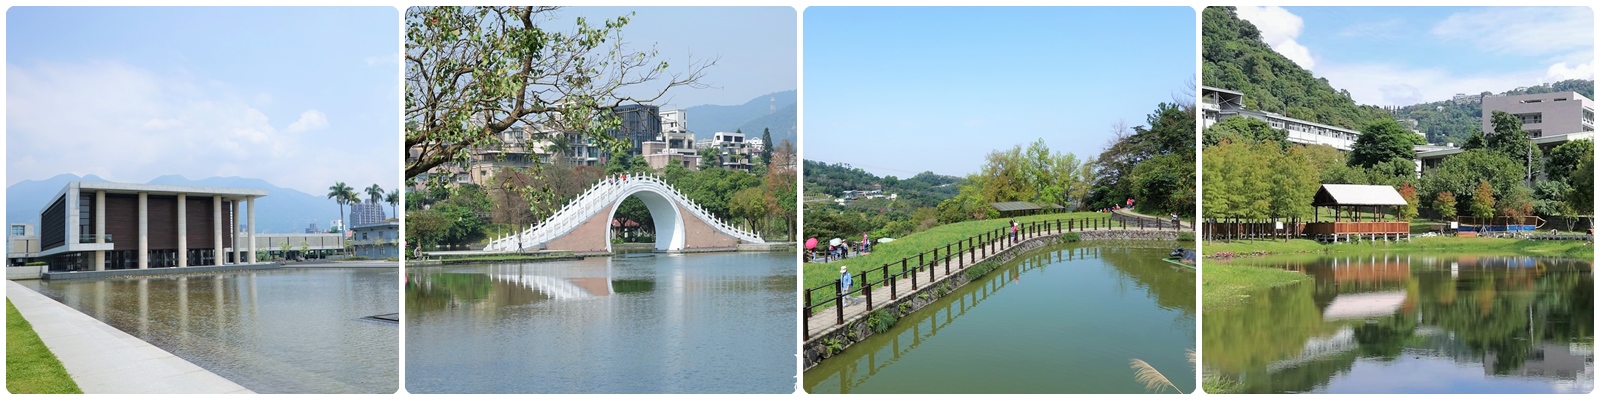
[(377, 240), (640, 123), (96, 226), (1543, 114), (366, 213), (732, 150), (676, 145), (1219, 104)]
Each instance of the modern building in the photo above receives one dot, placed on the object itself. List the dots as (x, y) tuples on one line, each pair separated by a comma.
[(640, 123), (676, 145), (366, 213), (97, 226), (1219, 104), (732, 150), (300, 245), (377, 240), (22, 244), (1543, 114)]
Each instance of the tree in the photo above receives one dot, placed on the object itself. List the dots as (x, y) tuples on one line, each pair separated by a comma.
[(1566, 158), (1482, 203), (1581, 198), (1383, 141), (341, 193), (1239, 130), (1445, 202), (1518, 204), (710, 158), (472, 73), (1510, 141), (1476, 141), (749, 204), (1461, 173), (393, 198), (1409, 211), (375, 193), (766, 146)]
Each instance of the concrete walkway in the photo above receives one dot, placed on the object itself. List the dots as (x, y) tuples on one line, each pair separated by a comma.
[(102, 359)]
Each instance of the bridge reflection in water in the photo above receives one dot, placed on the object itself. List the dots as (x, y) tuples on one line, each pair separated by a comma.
[(657, 323), (1070, 307)]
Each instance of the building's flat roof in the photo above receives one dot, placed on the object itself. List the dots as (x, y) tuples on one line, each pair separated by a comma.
[(1212, 89), (169, 189)]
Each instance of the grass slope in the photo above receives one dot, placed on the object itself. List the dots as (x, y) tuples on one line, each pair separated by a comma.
[(1224, 285), (30, 366), (817, 274)]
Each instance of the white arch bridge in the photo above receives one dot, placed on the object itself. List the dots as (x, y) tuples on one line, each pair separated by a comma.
[(583, 224)]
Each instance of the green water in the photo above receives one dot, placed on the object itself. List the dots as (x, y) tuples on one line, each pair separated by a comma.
[(1411, 324), (1062, 319)]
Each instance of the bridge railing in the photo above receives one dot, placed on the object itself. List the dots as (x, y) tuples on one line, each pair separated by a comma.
[(598, 198), (922, 268)]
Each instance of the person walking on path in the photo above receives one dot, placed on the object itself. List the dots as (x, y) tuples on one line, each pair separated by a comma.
[(1013, 231), (1175, 221), (844, 284)]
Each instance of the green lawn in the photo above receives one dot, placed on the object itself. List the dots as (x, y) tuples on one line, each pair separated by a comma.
[(817, 274), (30, 366), (1550, 248), (1225, 284)]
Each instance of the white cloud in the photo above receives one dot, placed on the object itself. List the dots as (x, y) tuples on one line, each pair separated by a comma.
[(1561, 71), (309, 121), (1522, 31), (1280, 29), (126, 123), (1387, 84)]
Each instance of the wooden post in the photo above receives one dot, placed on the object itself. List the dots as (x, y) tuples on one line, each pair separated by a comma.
[(838, 302)]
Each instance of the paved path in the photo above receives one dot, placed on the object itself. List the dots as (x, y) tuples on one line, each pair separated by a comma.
[(826, 320), (1167, 220), (102, 359)]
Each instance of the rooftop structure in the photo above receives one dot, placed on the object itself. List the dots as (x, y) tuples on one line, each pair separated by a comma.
[(96, 226)]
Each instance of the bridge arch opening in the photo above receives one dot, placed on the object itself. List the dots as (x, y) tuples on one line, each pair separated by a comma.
[(666, 216)]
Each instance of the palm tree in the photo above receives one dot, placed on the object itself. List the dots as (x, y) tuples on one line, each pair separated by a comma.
[(393, 198), (339, 192), (376, 192)]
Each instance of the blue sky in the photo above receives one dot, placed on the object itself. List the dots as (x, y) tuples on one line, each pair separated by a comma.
[(754, 47), (900, 90), (299, 96), (1410, 55)]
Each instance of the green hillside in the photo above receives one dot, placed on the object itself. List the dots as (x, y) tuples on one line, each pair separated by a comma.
[(1235, 58)]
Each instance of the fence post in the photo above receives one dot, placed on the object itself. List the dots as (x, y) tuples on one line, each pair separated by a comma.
[(867, 291), (914, 280), (805, 323), (893, 293)]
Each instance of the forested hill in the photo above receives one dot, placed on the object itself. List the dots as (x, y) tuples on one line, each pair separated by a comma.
[(923, 190), (1449, 121), (1235, 58)]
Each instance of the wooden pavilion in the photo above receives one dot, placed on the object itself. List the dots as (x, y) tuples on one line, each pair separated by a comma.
[(1358, 211)]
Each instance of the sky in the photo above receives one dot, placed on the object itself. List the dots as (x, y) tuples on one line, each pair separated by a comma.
[(755, 47), (1391, 56), (299, 96), (898, 91)]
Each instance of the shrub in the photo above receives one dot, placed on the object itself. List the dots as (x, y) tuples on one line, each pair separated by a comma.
[(1070, 237), (881, 320), (1186, 237)]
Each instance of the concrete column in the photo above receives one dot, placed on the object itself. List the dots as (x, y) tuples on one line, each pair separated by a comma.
[(144, 230), (251, 203), (183, 230), (216, 230), (100, 229), (233, 223)]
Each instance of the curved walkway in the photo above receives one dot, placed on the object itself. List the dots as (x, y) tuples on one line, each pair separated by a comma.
[(827, 320), (102, 359)]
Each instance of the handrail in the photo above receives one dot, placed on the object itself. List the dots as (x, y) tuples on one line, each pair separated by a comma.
[(583, 206)]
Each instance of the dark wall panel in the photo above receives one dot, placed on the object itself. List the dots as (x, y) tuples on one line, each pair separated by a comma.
[(163, 220), (122, 220), (199, 219)]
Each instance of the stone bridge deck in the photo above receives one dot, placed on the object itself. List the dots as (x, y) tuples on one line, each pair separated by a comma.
[(827, 320)]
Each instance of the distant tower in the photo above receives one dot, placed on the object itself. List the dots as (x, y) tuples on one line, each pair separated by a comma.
[(772, 104)]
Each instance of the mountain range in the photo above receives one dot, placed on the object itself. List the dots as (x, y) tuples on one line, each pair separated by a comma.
[(283, 210), (778, 112)]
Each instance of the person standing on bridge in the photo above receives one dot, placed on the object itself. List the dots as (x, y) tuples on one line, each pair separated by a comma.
[(844, 284)]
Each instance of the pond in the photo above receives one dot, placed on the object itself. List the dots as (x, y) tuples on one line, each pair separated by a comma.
[(277, 331), (1417, 323), (1062, 319), (632, 323)]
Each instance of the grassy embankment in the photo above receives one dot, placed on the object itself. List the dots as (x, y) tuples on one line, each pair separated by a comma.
[(1442, 244), (1224, 285), (30, 366), (817, 274)]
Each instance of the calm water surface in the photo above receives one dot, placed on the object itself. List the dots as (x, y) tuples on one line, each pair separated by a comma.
[(635, 323), (1063, 319), (279, 331), (1412, 324)]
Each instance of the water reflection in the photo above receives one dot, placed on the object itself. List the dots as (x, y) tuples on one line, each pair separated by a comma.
[(651, 323), (283, 331), (1412, 323), (1061, 320)]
